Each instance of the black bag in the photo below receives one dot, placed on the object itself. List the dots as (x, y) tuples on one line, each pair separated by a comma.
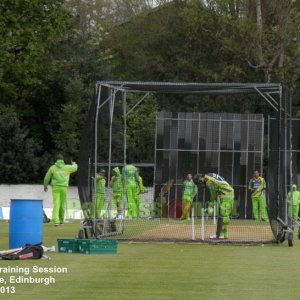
[(29, 252)]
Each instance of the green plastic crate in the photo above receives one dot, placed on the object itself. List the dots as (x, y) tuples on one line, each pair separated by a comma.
[(97, 246), (67, 245)]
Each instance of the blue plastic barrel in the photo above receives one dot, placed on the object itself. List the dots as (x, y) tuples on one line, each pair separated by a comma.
[(26, 222)]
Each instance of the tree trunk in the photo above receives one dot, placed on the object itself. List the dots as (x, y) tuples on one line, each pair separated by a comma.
[(259, 23)]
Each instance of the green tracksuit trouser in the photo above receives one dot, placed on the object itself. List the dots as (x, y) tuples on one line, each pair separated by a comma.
[(117, 196), (225, 208), (259, 206), (59, 194), (186, 206), (294, 211), (137, 204), (100, 199), (131, 200)]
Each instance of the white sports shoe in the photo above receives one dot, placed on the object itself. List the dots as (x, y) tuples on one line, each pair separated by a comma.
[(214, 237)]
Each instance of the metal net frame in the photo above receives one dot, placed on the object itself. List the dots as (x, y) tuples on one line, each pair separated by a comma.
[(96, 150)]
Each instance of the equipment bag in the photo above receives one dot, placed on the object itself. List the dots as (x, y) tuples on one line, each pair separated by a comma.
[(28, 252)]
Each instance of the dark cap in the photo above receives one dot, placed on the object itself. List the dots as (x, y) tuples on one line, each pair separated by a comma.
[(197, 178), (59, 157)]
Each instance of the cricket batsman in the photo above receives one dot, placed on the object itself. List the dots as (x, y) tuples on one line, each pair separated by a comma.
[(293, 199), (219, 188), (117, 187), (130, 179), (100, 192), (58, 175), (189, 192), (140, 189), (257, 186)]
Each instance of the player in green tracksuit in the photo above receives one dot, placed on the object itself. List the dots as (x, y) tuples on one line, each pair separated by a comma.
[(218, 187), (100, 192), (117, 187), (257, 186), (212, 198), (293, 199), (140, 189), (58, 176), (189, 192), (130, 179)]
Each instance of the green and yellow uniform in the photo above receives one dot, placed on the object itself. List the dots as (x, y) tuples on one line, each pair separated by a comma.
[(218, 187), (140, 189), (117, 187), (100, 194), (293, 199), (257, 187), (189, 192), (58, 175)]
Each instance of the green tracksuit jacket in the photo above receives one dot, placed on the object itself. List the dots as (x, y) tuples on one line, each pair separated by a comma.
[(117, 187), (58, 175), (293, 199), (257, 187), (189, 192), (130, 179), (100, 194)]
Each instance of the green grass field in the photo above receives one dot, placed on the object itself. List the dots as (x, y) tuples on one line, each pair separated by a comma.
[(164, 271)]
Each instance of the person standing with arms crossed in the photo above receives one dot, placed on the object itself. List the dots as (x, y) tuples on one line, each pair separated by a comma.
[(189, 192), (58, 176), (257, 186)]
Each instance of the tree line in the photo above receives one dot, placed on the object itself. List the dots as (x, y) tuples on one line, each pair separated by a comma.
[(53, 51)]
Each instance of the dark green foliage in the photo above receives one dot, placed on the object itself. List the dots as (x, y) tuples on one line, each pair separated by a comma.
[(53, 52), (19, 158)]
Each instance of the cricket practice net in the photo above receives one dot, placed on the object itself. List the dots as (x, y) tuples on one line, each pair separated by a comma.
[(229, 144)]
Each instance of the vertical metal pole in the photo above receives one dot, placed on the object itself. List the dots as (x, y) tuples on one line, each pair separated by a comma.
[(261, 159), (111, 111), (124, 96), (291, 145), (288, 112), (198, 161), (219, 152), (279, 153), (232, 161), (89, 176), (154, 175), (202, 225), (232, 164), (95, 156), (214, 218), (176, 179), (262, 143), (284, 153), (193, 225), (111, 115), (269, 124), (247, 157)]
